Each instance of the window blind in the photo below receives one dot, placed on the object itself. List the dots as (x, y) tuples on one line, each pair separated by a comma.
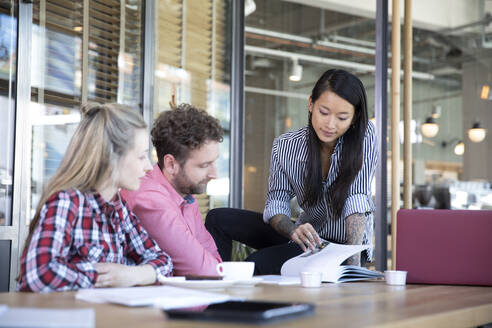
[(104, 44), (169, 24), (59, 34)]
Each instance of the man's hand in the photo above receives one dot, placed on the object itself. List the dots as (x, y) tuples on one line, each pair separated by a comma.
[(304, 235), (119, 275)]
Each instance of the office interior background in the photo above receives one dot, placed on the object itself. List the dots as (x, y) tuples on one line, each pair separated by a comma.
[(58, 54)]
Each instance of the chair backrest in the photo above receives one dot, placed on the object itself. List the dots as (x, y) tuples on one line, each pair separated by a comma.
[(445, 246), (204, 204)]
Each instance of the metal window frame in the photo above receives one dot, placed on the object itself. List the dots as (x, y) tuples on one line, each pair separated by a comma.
[(22, 137), (84, 92), (237, 106), (381, 114), (148, 63)]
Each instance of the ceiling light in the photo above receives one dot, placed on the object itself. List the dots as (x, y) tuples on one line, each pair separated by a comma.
[(459, 149), (288, 122), (485, 92), (296, 73), (459, 146), (429, 128), (436, 111), (477, 133), (249, 7)]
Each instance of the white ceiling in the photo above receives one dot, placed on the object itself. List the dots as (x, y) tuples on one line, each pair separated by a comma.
[(427, 14)]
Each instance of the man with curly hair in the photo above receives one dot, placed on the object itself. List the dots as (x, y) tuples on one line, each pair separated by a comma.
[(186, 140)]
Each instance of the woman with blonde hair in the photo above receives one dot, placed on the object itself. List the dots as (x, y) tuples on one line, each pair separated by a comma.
[(83, 235)]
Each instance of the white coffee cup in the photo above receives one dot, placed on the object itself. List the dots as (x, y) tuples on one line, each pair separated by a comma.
[(395, 277), (236, 270), (311, 279)]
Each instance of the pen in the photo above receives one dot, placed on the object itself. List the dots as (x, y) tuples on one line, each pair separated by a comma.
[(198, 277)]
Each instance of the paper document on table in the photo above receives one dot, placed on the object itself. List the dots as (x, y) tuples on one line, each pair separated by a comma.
[(165, 297), (36, 317), (279, 280)]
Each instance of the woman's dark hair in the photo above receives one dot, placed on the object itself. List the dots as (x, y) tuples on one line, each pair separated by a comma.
[(350, 88)]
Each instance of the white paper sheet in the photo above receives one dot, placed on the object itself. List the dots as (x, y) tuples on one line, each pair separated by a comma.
[(279, 280), (3, 308), (47, 318), (165, 297)]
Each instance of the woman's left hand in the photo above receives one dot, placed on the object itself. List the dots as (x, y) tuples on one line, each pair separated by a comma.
[(120, 275)]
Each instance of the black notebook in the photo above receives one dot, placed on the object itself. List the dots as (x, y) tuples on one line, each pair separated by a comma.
[(244, 311)]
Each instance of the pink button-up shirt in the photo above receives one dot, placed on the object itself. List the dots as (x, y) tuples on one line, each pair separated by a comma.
[(175, 223)]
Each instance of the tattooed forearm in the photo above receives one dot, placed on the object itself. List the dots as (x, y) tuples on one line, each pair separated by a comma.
[(355, 224), (283, 225), (355, 228)]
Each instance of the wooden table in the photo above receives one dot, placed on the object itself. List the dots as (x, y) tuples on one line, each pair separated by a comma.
[(361, 304)]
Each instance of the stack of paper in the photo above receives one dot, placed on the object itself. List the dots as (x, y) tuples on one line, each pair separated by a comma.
[(36, 317), (165, 297)]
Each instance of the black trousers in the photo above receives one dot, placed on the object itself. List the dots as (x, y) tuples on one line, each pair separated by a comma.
[(247, 227)]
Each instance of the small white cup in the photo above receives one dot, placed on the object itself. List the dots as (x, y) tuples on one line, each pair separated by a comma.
[(395, 277), (236, 270), (311, 279)]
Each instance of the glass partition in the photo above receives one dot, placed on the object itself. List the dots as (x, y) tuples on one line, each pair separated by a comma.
[(452, 106), (8, 50), (66, 72), (193, 66), (288, 46), (8, 80)]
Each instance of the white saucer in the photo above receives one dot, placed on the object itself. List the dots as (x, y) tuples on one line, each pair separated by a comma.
[(201, 284)]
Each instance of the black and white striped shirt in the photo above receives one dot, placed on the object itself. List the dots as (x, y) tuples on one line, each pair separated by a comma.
[(287, 174)]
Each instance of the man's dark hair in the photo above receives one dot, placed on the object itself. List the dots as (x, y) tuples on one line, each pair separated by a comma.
[(183, 129)]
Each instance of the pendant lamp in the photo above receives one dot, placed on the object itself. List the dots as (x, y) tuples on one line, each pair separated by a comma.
[(477, 133), (429, 128)]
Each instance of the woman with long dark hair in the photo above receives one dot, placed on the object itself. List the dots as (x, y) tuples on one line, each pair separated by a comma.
[(328, 166)]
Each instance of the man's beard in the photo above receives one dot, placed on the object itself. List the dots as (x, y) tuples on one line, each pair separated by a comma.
[(184, 186)]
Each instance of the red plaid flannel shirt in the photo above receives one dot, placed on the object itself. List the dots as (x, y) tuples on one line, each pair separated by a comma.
[(77, 229)]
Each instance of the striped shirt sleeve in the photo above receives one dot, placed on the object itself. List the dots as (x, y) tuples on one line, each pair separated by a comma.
[(359, 196), (279, 189)]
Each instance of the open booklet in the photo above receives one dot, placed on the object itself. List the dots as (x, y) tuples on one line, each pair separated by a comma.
[(327, 259)]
